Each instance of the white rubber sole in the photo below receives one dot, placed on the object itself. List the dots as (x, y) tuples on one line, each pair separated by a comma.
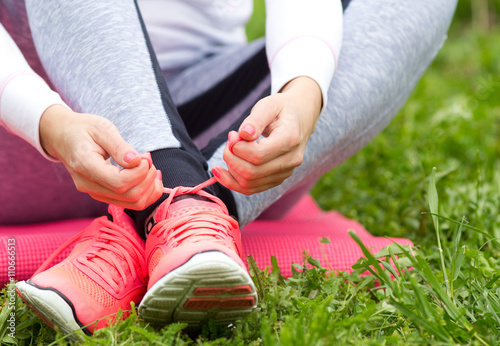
[(209, 286), (50, 307)]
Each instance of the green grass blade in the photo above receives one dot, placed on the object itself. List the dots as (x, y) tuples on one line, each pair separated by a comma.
[(433, 207), (431, 328), (424, 305), (486, 234), (382, 274), (420, 263)]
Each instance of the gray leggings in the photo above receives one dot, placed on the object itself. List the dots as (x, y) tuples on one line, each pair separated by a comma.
[(387, 46)]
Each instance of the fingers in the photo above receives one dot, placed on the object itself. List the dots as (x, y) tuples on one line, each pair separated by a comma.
[(250, 171), (96, 169), (248, 178), (262, 115), (232, 138), (226, 179), (109, 138), (84, 148), (147, 157), (281, 141), (148, 198), (136, 196), (126, 191), (257, 166)]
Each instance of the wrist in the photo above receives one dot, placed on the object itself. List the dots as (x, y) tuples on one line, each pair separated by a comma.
[(305, 89), (53, 120)]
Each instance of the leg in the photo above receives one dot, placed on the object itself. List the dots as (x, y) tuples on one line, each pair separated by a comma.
[(111, 70), (387, 47)]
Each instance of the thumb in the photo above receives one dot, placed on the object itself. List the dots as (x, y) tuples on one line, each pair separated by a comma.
[(263, 113), (122, 152)]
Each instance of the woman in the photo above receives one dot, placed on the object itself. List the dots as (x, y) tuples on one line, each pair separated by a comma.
[(196, 97)]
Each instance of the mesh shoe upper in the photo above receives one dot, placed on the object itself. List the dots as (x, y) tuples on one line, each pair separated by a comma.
[(105, 271), (190, 226)]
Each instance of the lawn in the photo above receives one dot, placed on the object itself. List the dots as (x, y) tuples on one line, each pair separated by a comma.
[(452, 123)]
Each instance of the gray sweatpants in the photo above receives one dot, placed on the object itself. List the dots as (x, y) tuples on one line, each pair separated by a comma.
[(387, 46)]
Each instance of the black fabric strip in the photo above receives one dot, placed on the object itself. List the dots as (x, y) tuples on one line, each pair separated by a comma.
[(205, 109), (217, 141), (176, 122), (178, 169), (168, 160)]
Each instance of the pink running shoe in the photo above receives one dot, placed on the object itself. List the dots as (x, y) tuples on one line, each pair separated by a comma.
[(104, 273), (194, 260)]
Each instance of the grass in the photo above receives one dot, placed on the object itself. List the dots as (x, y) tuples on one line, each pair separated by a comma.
[(451, 213)]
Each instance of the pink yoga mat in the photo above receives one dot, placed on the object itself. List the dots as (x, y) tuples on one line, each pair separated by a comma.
[(286, 239)]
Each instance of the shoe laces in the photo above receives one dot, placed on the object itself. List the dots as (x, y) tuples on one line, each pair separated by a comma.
[(202, 224), (114, 251)]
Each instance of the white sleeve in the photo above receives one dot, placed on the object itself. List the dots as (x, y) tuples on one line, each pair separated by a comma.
[(24, 95), (303, 38)]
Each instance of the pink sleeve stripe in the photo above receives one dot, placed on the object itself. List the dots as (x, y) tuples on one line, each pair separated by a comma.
[(7, 80), (298, 38)]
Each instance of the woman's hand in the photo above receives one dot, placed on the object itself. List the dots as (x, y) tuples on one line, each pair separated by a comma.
[(286, 120), (84, 143)]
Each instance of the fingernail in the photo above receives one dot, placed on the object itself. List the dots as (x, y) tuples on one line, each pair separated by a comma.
[(159, 175), (249, 129), (130, 156), (229, 142), (216, 172), (147, 157), (233, 138)]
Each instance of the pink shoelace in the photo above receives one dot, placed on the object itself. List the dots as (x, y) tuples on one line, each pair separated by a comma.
[(121, 251), (203, 224), (113, 247)]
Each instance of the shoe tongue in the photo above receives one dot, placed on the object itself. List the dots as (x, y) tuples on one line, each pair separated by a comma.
[(124, 221), (185, 205)]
